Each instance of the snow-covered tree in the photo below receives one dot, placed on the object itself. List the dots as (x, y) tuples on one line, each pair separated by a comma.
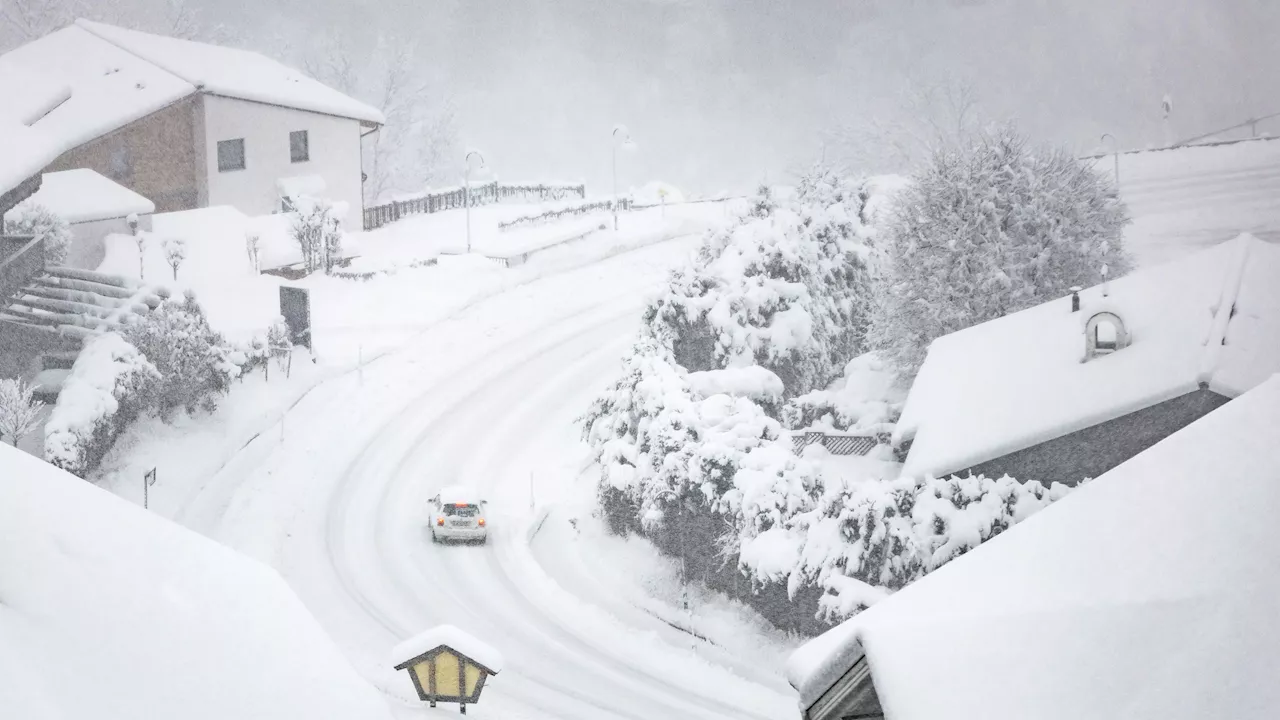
[(30, 218), (418, 146), (987, 230), (19, 410), (175, 251), (318, 233)]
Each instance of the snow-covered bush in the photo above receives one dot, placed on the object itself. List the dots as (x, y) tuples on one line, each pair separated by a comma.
[(318, 233), (861, 541), (110, 384), (253, 246), (194, 361), (19, 410), (865, 398), (986, 230), (31, 218), (787, 289)]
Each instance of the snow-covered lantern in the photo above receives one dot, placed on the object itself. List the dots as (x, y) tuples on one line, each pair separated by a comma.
[(447, 665)]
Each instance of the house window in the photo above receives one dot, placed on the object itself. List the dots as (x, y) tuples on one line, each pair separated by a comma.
[(299, 149), (230, 155)]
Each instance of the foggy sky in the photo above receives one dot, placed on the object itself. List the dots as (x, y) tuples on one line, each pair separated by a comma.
[(721, 94)]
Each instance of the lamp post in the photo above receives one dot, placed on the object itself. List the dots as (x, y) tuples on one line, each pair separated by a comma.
[(467, 190), (1115, 143), (626, 141)]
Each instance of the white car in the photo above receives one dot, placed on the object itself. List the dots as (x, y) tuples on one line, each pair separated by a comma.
[(457, 513)]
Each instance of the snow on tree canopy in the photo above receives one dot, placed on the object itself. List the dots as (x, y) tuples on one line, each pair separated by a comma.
[(1142, 596), (1025, 371), (110, 612), (453, 637), (987, 230)]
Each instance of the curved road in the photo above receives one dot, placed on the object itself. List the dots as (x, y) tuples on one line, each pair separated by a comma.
[(485, 400)]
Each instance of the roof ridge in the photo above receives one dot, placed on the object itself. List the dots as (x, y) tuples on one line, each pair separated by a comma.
[(85, 24), (1217, 334)]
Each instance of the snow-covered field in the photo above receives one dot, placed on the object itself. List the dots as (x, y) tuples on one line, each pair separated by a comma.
[(1187, 199)]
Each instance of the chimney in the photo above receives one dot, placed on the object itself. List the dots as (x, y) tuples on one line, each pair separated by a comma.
[(1105, 270), (1075, 298)]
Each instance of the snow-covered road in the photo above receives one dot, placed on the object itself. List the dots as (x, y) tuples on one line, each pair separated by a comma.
[(336, 500)]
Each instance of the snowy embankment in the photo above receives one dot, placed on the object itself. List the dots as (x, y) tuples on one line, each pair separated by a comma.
[(109, 612)]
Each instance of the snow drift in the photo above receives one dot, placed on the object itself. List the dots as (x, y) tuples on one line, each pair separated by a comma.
[(108, 612)]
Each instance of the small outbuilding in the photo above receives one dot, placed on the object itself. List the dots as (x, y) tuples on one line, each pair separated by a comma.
[(94, 206), (447, 665)]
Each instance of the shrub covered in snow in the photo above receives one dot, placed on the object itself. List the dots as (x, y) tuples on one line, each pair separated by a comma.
[(787, 289), (110, 384), (318, 233), (865, 398), (861, 541), (690, 442), (19, 411), (987, 230), (194, 362), (30, 218)]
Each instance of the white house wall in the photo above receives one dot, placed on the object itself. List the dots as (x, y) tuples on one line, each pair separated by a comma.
[(334, 149)]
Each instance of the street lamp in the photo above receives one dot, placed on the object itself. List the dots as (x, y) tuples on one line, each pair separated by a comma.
[(1116, 143), (467, 186), (619, 131)]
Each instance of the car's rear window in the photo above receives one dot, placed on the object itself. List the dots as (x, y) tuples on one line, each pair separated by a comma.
[(463, 511)]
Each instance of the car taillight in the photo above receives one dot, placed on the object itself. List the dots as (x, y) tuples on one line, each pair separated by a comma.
[(481, 522), (440, 521)]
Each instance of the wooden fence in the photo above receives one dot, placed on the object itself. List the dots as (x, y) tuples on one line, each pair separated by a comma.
[(453, 198)]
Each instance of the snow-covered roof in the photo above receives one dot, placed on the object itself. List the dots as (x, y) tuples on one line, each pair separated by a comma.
[(116, 76), (110, 87), (451, 636), (109, 611), (83, 195), (234, 73), (1023, 377), (1147, 594), (27, 96)]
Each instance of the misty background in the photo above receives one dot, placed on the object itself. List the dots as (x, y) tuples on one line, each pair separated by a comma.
[(720, 95)]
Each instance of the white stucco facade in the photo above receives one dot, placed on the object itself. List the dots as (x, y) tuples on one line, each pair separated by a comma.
[(333, 143)]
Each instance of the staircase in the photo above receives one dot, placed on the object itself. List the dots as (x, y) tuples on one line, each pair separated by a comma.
[(68, 306)]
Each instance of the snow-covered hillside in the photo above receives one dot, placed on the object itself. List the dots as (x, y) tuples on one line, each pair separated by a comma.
[(109, 612)]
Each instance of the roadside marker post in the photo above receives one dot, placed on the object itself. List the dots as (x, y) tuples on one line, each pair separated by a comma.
[(148, 480)]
